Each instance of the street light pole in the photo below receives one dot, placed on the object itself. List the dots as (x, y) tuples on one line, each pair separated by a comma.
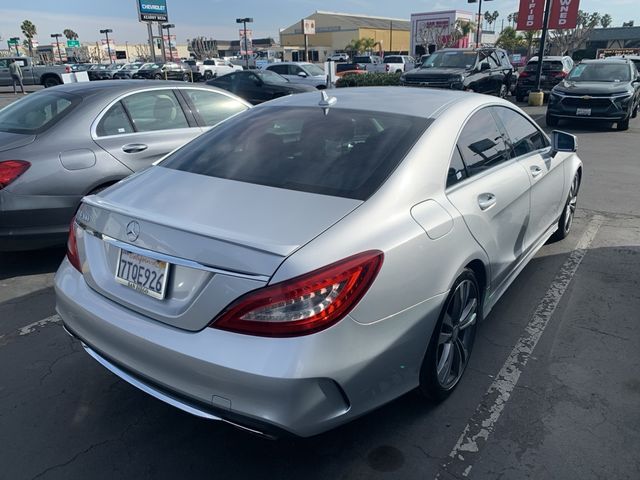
[(106, 32), (57, 36), (479, 20), (168, 27), (244, 21)]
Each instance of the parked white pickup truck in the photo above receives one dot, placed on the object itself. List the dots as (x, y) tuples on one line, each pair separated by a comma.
[(398, 63), (216, 67), (47, 75)]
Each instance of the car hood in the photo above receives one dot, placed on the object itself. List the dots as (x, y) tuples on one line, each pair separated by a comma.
[(591, 88), (9, 141), (435, 72)]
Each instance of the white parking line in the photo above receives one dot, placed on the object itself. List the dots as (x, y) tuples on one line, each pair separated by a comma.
[(40, 323), (477, 431)]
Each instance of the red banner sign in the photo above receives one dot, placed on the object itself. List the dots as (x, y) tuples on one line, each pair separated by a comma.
[(564, 14), (530, 14)]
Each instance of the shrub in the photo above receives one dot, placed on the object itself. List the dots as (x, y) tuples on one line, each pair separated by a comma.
[(369, 80)]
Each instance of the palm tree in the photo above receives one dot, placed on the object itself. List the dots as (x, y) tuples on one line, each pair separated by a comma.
[(29, 30), (530, 37), (70, 34), (509, 39), (368, 44)]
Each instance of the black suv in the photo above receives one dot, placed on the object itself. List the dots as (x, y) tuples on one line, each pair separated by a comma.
[(554, 70), (485, 70), (607, 90)]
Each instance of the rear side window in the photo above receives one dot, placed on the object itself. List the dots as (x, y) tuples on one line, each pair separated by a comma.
[(114, 122), (281, 69), (456, 172), (481, 143), (213, 107), (347, 153), (37, 113), (524, 137), (155, 110)]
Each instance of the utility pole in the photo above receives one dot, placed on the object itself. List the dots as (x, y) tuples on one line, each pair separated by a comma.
[(152, 48), (543, 41), (168, 27), (106, 32), (391, 35), (478, 29), (57, 36), (162, 49), (244, 21)]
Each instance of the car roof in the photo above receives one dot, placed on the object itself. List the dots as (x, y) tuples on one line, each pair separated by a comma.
[(418, 102), (549, 57), (614, 61), (118, 87)]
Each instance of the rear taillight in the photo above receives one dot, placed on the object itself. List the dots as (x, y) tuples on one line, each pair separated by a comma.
[(67, 69), (72, 246), (560, 75), (525, 74), (305, 304), (10, 170)]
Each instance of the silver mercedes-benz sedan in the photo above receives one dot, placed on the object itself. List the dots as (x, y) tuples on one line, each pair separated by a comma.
[(318, 256), (62, 143)]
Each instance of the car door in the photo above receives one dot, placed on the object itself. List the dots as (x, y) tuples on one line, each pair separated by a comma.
[(494, 199), (532, 150), (143, 127), (253, 89)]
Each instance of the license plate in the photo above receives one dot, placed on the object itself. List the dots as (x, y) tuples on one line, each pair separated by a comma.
[(583, 111), (143, 274)]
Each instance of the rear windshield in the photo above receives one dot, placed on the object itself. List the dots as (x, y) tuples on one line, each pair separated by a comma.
[(347, 153), (362, 59), (600, 72), (36, 113), (546, 66), (392, 60)]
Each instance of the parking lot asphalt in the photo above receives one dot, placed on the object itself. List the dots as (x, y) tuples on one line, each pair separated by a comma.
[(552, 391)]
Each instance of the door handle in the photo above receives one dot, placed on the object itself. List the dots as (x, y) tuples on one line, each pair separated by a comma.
[(535, 171), (134, 147), (486, 201)]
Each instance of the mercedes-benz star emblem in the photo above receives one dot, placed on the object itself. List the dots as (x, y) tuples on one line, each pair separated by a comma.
[(133, 230)]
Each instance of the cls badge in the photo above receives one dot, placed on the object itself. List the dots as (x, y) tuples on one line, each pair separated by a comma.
[(133, 230)]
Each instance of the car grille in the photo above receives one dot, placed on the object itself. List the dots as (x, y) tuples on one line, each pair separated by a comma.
[(431, 80), (578, 102)]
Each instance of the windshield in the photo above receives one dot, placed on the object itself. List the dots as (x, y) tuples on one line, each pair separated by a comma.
[(268, 76), (313, 69), (600, 72), (151, 66), (346, 153), (546, 66), (36, 113), (133, 66), (455, 59)]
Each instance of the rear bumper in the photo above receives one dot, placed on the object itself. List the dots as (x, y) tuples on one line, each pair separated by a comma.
[(301, 386), (34, 221)]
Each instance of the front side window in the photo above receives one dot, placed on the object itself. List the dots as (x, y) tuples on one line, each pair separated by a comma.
[(347, 153), (37, 113), (155, 110), (481, 143), (523, 135), (312, 69), (213, 107), (281, 69)]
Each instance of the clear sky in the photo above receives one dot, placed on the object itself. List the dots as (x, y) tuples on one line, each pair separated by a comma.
[(216, 18)]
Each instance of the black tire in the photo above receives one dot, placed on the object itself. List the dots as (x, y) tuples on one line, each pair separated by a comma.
[(208, 75), (186, 77), (551, 120), (437, 379), (158, 76), (634, 114), (51, 81), (623, 125), (503, 92), (568, 213)]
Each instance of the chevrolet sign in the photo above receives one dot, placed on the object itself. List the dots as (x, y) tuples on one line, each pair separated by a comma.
[(152, 11)]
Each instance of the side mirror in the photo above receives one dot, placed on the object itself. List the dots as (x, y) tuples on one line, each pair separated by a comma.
[(484, 66), (563, 142), (302, 74)]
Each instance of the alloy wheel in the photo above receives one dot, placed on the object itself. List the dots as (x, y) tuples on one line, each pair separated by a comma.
[(570, 209), (456, 334)]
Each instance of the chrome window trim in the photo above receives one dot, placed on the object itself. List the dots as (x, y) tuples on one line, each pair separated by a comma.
[(103, 112), (183, 262)]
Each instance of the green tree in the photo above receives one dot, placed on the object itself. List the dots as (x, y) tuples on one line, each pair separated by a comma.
[(512, 18), (530, 38), (568, 40), (510, 40), (368, 44), (630, 23), (29, 30), (70, 34), (490, 18), (606, 20)]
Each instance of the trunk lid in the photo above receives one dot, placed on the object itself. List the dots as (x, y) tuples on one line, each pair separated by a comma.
[(9, 141), (222, 238)]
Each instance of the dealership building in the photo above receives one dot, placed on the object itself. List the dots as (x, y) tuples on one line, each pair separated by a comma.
[(334, 31)]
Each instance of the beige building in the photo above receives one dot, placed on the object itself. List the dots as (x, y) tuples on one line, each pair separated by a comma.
[(334, 31)]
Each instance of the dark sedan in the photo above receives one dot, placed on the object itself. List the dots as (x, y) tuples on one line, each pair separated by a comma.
[(257, 86), (164, 71), (128, 70), (606, 90)]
